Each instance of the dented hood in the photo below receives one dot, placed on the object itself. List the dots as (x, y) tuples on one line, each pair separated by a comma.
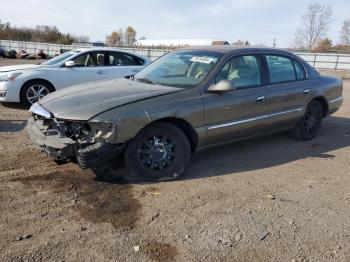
[(82, 102)]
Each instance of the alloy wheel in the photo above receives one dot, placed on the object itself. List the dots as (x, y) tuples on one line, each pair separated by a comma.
[(312, 119), (156, 153), (36, 92)]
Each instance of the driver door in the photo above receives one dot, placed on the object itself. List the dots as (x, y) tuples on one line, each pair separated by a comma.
[(241, 113), (89, 66)]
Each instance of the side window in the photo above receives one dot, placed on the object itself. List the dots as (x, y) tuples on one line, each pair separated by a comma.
[(281, 69), (299, 70), (123, 59), (80, 60), (243, 72), (90, 59)]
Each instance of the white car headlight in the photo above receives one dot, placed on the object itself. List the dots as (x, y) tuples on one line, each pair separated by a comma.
[(9, 77)]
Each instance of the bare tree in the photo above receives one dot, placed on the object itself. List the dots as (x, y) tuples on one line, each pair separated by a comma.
[(315, 24), (323, 45), (114, 39), (345, 33), (40, 33), (121, 39), (81, 38), (130, 36), (240, 42)]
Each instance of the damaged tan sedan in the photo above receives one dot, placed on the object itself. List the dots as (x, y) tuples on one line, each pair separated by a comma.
[(185, 101)]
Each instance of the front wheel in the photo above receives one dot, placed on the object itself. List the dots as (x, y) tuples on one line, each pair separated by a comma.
[(309, 126), (160, 152), (33, 91)]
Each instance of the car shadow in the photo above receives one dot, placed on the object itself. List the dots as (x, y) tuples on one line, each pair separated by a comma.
[(14, 105), (270, 151), (12, 125)]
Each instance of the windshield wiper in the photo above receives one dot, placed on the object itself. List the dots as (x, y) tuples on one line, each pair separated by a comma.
[(147, 81)]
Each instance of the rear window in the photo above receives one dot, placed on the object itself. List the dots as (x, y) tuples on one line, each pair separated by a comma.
[(281, 69), (124, 59), (299, 70), (284, 69)]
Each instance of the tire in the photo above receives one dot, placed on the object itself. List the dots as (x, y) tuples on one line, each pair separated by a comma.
[(42, 87), (159, 152), (309, 126), (98, 155)]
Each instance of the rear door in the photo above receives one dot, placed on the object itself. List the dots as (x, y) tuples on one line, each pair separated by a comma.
[(122, 64), (241, 113), (288, 92), (89, 66)]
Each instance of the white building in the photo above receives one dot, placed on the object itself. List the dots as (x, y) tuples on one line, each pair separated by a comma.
[(180, 42)]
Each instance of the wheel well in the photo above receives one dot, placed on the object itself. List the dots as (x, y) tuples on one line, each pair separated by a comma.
[(185, 127), (324, 104), (36, 80), (40, 80)]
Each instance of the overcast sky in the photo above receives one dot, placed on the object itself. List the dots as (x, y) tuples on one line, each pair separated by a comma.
[(258, 21)]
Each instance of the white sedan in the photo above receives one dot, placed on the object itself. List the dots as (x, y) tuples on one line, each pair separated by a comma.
[(28, 83)]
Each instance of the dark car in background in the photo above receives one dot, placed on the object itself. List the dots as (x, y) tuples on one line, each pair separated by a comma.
[(185, 101)]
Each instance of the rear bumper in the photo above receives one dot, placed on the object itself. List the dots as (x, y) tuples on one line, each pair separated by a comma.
[(335, 104)]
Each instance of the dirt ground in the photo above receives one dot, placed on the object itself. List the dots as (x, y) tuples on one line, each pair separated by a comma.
[(272, 199)]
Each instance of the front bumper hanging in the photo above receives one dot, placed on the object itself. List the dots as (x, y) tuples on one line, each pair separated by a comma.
[(56, 147), (64, 148)]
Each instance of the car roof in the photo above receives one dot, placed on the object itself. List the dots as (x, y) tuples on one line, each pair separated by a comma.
[(98, 49), (227, 49)]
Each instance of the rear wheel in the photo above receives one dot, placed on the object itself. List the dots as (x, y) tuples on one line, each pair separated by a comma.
[(32, 91), (309, 126), (160, 152)]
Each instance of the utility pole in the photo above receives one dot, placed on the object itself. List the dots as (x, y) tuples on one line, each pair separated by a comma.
[(274, 42)]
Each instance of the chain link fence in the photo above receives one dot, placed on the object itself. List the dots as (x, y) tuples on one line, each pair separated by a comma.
[(328, 61)]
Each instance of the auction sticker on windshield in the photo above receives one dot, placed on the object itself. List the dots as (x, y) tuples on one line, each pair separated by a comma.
[(203, 59)]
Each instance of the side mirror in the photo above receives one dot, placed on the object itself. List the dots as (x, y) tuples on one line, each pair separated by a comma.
[(69, 64), (222, 86)]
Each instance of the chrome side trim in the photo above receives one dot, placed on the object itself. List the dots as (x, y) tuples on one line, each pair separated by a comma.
[(340, 98), (233, 123)]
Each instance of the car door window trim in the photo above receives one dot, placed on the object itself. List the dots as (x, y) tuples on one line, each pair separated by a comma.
[(293, 60), (257, 55), (216, 70)]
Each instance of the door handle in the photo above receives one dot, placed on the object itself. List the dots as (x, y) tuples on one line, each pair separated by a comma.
[(260, 99), (306, 91), (101, 72)]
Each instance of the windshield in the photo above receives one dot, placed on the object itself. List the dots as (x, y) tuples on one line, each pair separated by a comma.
[(184, 69), (59, 58)]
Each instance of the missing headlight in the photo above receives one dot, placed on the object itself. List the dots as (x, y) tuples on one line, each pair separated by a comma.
[(101, 130)]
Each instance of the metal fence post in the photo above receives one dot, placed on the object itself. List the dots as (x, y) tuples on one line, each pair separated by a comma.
[(314, 64), (336, 63)]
